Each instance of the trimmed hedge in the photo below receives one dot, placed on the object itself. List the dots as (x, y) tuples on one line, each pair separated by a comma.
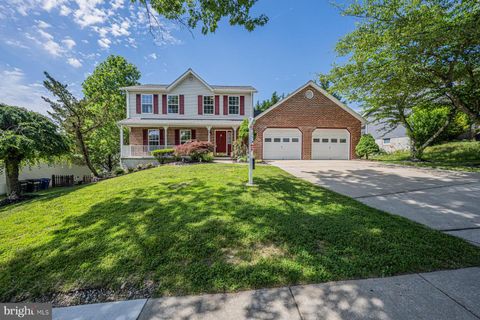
[(164, 155)]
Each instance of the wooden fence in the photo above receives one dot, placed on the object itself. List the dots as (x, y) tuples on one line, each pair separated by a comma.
[(68, 180), (62, 181)]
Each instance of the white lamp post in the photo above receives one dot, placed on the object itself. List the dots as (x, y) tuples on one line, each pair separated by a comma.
[(250, 151)]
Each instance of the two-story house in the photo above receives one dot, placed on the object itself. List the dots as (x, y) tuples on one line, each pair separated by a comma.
[(166, 115)]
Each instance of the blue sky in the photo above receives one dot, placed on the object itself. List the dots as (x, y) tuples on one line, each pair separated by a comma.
[(68, 38)]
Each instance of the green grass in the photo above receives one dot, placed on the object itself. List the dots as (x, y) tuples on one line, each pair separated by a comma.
[(195, 229), (460, 156)]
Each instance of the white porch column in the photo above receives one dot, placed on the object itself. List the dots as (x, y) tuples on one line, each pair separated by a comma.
[(209, 128), (234, 134), (121, 140), (165, 134)]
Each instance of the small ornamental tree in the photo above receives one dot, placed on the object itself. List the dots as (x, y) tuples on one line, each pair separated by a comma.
[(366, 146), (26, 137)]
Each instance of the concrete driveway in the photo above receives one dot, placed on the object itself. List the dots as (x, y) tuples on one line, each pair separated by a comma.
[(444, 200)]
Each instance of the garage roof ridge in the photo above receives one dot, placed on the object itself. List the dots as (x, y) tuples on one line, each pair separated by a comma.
[(319, 89)]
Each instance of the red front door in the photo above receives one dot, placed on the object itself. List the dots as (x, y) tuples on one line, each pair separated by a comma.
[(221, 141)]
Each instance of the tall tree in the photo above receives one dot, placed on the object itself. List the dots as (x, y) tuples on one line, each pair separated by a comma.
[(102, 90), (206, 12), (434, 43), (399, 57), (265, 104), (25, 138), (74, 117)]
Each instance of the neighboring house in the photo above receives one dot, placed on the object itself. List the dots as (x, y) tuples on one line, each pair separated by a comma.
[(389, 141), (307, 124), (165, 115), (45, 170)]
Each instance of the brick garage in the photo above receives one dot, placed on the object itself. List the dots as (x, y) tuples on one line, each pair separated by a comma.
[(315, 114)]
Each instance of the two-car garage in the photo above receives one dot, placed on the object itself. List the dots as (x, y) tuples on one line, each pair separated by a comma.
[(308, 124), (286, 144)]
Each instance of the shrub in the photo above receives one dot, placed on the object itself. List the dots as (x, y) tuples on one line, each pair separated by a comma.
[(119, 171), (194, 150), (164, 155), (206, 157), (366, 146), (130, 170)]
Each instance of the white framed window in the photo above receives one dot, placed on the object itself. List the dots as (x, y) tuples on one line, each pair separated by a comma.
[(172, 103), (208, 104), (185, 136), (153, 139), (147, 103), (386, 140), (233, 105)]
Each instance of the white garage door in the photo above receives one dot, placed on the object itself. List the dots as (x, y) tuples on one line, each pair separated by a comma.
[(282, 144), (330, 144)]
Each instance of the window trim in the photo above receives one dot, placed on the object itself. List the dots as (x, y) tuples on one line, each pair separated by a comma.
[(180, 135), (141, 102), (234, 96), (148, 139), (213, 104), (178, 103), (386, 143)]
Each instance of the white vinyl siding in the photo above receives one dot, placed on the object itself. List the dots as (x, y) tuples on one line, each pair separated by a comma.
[(191, 89)]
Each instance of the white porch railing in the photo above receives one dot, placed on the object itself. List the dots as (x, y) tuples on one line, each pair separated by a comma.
[(140, 151)]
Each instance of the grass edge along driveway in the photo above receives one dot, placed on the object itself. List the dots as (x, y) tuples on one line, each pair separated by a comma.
[(177, 230)]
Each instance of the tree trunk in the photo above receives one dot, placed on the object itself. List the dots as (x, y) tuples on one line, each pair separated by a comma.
[(109, 163), (12, 171), (86, 156)]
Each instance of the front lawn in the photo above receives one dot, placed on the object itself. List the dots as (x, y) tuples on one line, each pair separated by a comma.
[(461, 156), (178, 230)]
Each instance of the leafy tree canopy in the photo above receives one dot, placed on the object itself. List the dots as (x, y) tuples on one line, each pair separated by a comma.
[(26, 137), (208, 13), (102, 90), (265, 104)]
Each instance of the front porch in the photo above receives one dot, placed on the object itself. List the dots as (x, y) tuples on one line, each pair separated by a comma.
[(144, 140)]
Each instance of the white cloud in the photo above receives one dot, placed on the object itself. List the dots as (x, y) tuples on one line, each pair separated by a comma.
[(42, 24), (17, 92), (74, 62), (69, 43), (104, 43), (65, 11), (88, 13), (49, 44), (16, 43), (153, 56)]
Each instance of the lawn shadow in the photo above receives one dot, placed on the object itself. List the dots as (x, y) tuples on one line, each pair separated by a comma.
[(193, 236)]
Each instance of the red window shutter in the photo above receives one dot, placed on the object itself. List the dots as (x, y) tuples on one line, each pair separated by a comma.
[(162, 136), (182, 104), (200, 104), (194, 134), (225, 105), (177, 137), (139, 103), (164, 104), (217, 105), (145, 137), (155, 103), (242, 105)]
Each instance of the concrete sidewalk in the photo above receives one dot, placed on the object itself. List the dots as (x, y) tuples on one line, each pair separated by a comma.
[(452, 294)]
